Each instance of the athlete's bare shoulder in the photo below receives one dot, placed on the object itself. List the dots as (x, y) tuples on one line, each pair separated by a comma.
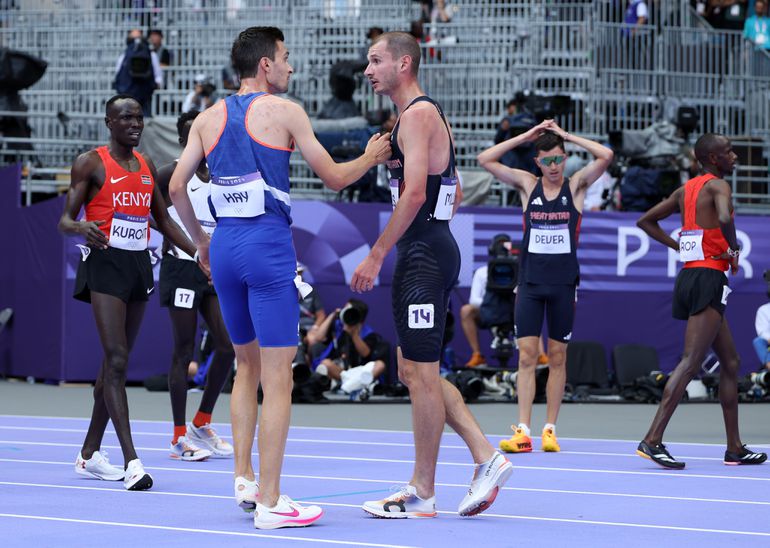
[(212, 117)]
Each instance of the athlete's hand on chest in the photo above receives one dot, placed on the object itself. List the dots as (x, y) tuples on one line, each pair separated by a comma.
[(95, 238), (365, 274)]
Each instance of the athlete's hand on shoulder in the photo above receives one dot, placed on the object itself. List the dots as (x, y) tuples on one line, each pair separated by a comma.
[(365, 274), (94, 237), (378, 147)]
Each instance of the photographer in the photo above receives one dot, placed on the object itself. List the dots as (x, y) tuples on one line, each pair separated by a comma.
[(202, 96), (138, 72), (762, 324), (347, 350)]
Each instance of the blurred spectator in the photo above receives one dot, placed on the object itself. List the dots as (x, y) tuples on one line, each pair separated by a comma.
[(347, 350), (202, 96), (371, 34), (311, 310), (155, 37), (137, 71), (757, 27), (762, 324), (636, 16), (517, 120), (343, 81), (469, 316), (230, 79), (441, 12)]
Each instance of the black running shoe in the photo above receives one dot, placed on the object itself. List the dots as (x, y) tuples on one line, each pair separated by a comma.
[(659, 455), (746, 456)]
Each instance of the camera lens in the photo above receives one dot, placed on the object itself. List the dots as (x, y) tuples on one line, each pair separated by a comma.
[(350, 315)]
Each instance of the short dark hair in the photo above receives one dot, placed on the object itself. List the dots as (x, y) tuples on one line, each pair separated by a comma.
[(706, 144), (400, 44), (155, 31), (548, 141), (251, 46), (184, 119), (361, 306), (119, 97)]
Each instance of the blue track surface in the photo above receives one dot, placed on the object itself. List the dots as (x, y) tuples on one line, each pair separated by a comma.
[(593, 493)]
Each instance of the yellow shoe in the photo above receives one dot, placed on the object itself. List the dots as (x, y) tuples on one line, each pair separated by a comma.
[(476, 360), (519, 442), (550, 443)]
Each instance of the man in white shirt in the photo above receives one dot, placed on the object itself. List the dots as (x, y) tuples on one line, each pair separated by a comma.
[(762, 342)]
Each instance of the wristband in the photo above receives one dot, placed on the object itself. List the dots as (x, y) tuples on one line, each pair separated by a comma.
[(196, 257), (733, 253)]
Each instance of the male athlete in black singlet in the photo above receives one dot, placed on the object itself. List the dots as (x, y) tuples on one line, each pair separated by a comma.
[(425, 196), (549, 272)]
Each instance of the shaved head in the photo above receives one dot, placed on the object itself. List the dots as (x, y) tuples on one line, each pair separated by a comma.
[(709, 143), (400, 44)]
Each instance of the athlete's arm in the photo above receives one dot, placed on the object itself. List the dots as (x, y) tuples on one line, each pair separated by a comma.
[(335, 176), (185, 168), (521, 180), (166, 225), (649, 221), (416, 146), (723, 202), (587, 176), (80, 183)]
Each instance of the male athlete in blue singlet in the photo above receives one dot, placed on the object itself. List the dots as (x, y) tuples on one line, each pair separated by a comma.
[(247, 140), (549, 272), (425, 194)]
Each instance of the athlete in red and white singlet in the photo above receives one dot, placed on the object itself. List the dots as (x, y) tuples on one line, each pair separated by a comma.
[(116, 186), (708, 246)]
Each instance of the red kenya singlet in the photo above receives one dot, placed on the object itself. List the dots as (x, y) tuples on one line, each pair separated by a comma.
[(123, 203), (696, 244)]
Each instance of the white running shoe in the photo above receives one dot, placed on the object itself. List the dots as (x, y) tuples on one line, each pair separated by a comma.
[(99, 467), (136, 478), (286, 513), (356, 378), (488, 479), (206, 437), (184, 449), (403, 504), (246, 493)]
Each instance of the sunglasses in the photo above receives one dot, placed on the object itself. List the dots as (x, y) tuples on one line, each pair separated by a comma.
[(548, 160)]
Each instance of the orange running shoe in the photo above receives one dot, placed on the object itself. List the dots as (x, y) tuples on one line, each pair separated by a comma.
[(550, 443), (476, 360), (542, 359), (518, 443)]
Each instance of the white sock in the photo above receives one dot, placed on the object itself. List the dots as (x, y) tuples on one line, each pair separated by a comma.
[(524, 427), (322, 370), (369, 367), (550, 426)]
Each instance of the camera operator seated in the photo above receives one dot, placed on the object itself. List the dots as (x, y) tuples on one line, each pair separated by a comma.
[(762, 324), (202, 96), (347, 350), (497, 305)]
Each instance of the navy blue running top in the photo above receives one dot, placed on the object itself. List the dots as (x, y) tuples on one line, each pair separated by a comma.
[(238, 158), (549, 246), (439, 189)]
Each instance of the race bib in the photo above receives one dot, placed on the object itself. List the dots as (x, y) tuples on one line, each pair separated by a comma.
[(691, 245), (394, 192), (446, 199), (549, 239), (184, 298), (128, 232), (421, 316), (238, 196)]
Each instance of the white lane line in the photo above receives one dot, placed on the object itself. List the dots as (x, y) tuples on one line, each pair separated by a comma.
[(345, 442), (193, 530), (490, 515), (313, 501), (400, 481), (379, 431)]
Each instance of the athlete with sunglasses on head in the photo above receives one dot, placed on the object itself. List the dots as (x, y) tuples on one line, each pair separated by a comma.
[(549, 273)]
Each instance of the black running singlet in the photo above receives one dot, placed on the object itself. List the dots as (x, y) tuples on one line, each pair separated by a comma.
[(549, 246)]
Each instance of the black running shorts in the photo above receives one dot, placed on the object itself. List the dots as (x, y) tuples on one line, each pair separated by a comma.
[(698, 288), (426, 270), (555, 302), (124, 274), (182, 284)]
